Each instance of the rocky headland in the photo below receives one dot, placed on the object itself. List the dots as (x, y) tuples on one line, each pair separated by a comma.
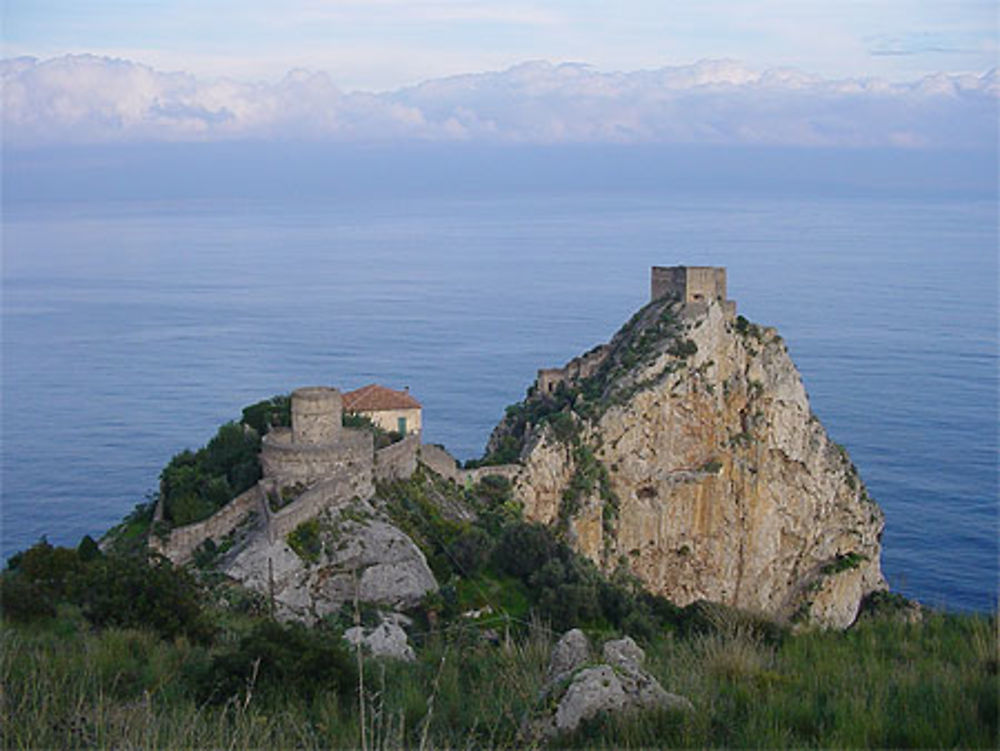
[(683, 453), (685, 450)]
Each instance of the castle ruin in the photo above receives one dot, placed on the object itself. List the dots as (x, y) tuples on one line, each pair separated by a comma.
[(692, 285), (696, 287)]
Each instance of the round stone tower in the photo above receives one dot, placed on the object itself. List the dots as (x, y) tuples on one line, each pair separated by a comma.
[(316, 415)]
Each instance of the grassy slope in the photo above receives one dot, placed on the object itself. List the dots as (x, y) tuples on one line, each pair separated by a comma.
[(881, 684)]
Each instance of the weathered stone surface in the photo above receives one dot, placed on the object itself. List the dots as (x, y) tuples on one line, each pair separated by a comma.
[(727, 487), (388, 639), (576, 691), (361, 551), (592, 690), (623, 653), (572, 651)]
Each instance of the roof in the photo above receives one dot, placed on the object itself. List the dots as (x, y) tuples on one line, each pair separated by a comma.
[(373, 398)]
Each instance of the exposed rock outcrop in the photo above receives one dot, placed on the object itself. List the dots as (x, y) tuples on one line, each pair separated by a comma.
[(388, 639), (354, 549), (577, 689), (690, 455)]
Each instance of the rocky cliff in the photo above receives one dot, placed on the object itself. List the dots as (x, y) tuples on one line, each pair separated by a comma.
[(685, 450)]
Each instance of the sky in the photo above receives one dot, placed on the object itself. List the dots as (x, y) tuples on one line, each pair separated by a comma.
[(905, 74), (378, 45)]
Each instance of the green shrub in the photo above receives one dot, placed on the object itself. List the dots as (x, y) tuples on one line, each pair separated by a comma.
[(267, 414), (471, 551), (306, 541), (136, 593), (194, 485), (277, 661)]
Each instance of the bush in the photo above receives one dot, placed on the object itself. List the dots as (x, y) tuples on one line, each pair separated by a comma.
[(524, 548), (471, 551), (278, 662), (134, 593), (305, 540), (264, 415), (195, 484)]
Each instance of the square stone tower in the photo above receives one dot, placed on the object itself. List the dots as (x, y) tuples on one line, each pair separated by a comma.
[(691, 284)]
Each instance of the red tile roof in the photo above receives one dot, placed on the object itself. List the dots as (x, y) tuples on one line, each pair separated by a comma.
[(373, 398)]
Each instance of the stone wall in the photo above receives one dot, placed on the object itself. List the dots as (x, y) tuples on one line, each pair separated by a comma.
[(182, 541), (688, 283), (340, 488), (290, 463), (510, 471), (439, 460), (576, 369), (397, 461)]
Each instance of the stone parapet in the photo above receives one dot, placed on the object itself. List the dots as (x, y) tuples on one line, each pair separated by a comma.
[(399, 460), (182, 541), (439, 460), (340, 488), (289, 463)]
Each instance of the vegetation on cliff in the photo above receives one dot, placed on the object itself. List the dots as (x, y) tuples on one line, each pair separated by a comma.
[(110, 650)]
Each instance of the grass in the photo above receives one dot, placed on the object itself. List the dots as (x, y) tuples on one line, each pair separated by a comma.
[(883, 683)]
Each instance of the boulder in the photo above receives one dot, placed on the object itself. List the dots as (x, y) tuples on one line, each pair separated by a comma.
[(576, 690), (572, 651), (388, 640)]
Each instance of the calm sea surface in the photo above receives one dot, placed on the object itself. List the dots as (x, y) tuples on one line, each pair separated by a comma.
[(131, 330)]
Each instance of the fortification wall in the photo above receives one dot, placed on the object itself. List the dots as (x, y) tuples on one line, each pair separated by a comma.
[(399, 460), (340, 488), (549, 379), (181, 543), (439, 460), (510, 471), (668, 280), (576, 369), (705, 283), (290, 462)]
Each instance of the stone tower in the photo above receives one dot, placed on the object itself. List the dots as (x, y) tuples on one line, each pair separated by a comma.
[(316, 416), (691, 285)]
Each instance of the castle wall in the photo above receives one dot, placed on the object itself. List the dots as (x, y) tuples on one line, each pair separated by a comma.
[(397, 461), (668, 280), (342, 487), (181, 543), (510, 471), (316, 415), (290, 462), (440, 461), (705, 283), (549, 379)]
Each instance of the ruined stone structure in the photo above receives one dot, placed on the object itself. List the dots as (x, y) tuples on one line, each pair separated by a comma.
[(697, 285), (317, 461), (576, 369), (316, 447)]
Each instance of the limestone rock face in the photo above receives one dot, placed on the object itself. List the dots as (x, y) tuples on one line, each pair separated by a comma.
[(359, 552), (692, 457)]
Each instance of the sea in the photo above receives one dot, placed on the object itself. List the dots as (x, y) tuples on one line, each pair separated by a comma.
[(132, 328)]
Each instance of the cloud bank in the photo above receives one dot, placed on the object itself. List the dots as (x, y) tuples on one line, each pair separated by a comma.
[(88, 99)]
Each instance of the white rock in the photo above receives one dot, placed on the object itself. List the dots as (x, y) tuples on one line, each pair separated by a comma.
[(387, 639)]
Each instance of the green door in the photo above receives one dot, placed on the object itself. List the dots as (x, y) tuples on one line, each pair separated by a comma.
[(401, 425)]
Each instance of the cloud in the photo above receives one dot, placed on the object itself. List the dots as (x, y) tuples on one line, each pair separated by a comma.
[(89, 99)]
